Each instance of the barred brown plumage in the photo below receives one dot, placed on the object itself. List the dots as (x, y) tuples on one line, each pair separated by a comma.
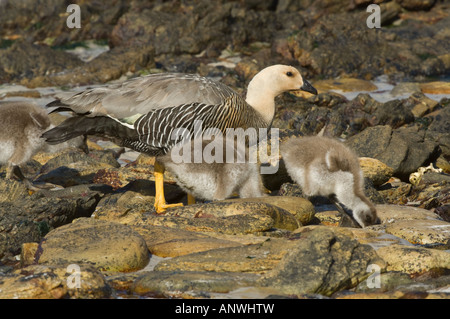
[(153, 107)]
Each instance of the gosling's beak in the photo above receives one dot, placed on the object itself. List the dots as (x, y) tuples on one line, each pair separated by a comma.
[(308, 87)]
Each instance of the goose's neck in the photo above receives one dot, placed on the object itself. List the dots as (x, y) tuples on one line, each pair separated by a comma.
[(262, 98)]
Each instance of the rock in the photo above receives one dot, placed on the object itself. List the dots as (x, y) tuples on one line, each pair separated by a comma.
[(329, 217), (431, 191), (396, 193), (394, 113), (416, 4), (301, 208), (429, 233), (405, 88), (24, 59), (322, 262), (106, 245), (290, 190), (248, 209), (405, 149), (49, 22), (169, 284), (390, 280), (294, 190), (54, 282), (395, 295), (72, 167), (253, 258), (106, 67), (234, 224), (439, 129), (31, 218), (389, 12), (443, 164), (414, 260), (200, 28), (12, 190), (170, 242), (419, 104), (363, 235), (332, 116), (378, 172), (28, 253), (394, 213), (443, 212)]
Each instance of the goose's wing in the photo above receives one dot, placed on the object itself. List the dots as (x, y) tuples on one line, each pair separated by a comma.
[(143, 94)]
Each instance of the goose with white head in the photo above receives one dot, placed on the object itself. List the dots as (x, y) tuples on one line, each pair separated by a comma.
[(143, 113)]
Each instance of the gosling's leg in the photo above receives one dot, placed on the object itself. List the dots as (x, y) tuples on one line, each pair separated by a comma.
[(160, 200), (14, 170)]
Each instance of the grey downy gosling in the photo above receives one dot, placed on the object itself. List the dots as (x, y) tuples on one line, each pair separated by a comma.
[(21, 127), (214, 169), (324, 166)]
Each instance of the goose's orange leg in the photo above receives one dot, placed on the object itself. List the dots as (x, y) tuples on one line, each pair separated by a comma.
[(160, 200)]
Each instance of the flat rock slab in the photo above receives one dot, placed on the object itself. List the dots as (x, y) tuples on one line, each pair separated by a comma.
[(236, 224), (170, 242), (301, 208), (255, 258), (391, 213), (426, 232), (414, 260), (54, 282), (176, 284), (109, 246), (244, 216)]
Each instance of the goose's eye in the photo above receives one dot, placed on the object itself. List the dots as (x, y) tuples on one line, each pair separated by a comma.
[(289, 73)]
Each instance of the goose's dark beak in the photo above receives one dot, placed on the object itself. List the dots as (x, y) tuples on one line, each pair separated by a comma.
[(307, 87)]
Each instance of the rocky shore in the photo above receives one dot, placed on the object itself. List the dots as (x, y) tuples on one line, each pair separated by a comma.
[(95, 233), (100, 217)]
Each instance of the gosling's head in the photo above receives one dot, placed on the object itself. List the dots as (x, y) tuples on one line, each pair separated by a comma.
[(365, 214)]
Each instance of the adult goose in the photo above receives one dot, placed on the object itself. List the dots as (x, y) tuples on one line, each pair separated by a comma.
[(143, 113)]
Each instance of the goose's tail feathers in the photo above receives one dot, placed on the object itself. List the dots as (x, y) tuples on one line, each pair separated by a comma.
[(81, 125)]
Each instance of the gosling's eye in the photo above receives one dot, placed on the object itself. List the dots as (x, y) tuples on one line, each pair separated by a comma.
[(289, 73)]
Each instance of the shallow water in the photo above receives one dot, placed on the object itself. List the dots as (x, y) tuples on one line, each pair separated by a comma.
[(384, 94)]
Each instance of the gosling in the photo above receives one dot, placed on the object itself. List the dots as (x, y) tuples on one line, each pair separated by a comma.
[(21, 127), (326, 167), (213, 169)]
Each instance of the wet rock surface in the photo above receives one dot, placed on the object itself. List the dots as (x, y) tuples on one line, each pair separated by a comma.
[(54, 282), (323, 263), (98, 212), (253, 246)]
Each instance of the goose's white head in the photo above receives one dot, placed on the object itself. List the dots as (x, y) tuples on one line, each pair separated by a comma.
[(271, 82)]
